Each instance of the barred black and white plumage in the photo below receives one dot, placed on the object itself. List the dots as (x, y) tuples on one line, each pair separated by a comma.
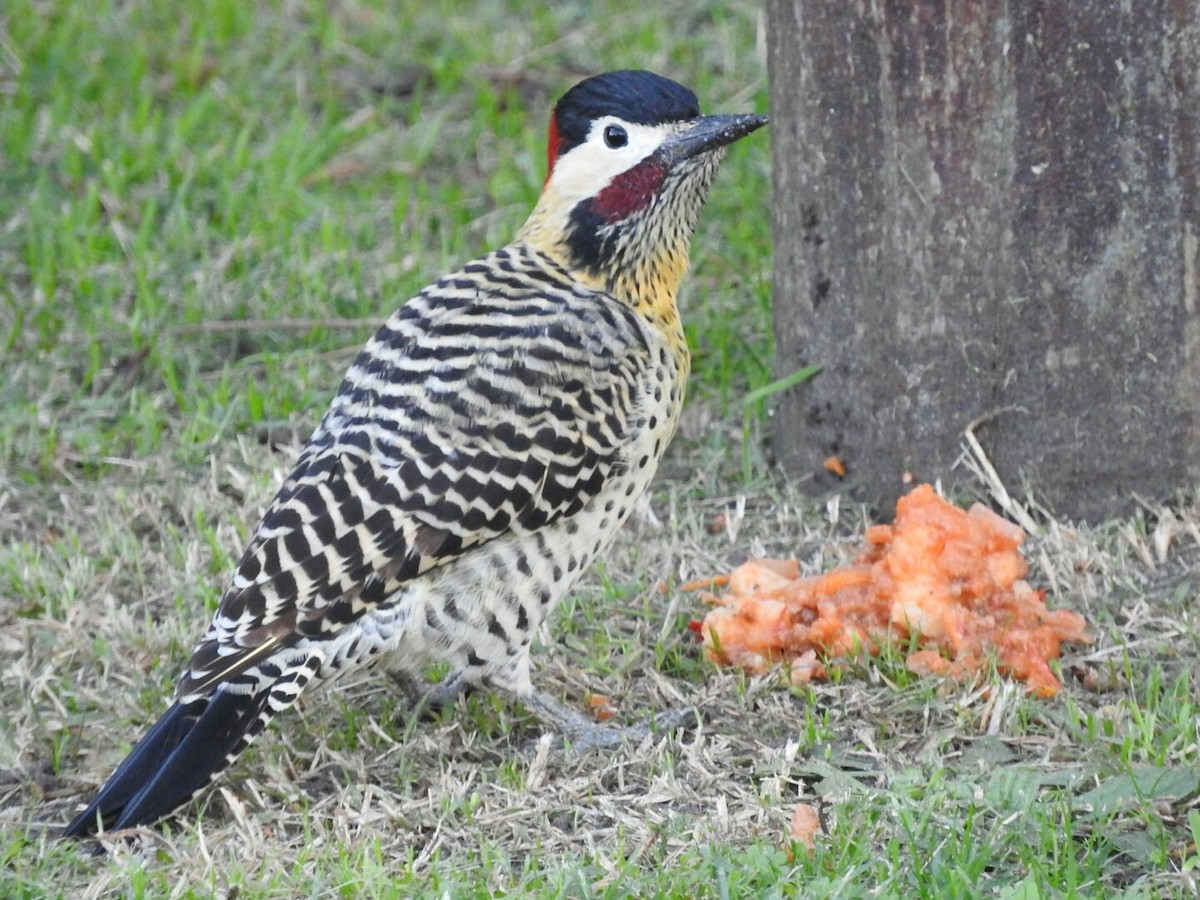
[(482, 450)]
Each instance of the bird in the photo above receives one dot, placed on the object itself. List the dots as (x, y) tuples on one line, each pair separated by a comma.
[(482, 450)]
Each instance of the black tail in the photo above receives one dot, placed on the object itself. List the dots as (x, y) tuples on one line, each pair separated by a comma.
[(182, 753)]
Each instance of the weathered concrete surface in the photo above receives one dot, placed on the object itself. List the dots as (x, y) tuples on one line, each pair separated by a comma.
[(989, 209)]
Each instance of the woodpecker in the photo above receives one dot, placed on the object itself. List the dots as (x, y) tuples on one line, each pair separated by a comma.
[(484, 447)]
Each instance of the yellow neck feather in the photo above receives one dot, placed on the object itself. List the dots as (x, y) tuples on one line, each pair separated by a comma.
[(645, 269)]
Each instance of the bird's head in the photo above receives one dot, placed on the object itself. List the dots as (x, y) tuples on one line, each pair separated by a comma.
[(630, 162)]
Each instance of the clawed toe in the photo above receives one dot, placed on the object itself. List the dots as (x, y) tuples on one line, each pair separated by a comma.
[(584, 735), (424, 701)]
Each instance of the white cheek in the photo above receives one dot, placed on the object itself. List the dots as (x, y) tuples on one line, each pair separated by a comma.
[(586, 169), (581, 173)]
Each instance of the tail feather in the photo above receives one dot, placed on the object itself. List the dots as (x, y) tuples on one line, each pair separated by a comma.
[(187, 747)]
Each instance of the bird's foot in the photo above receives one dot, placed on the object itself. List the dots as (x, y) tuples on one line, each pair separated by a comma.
[(583, 734), (425, 701)]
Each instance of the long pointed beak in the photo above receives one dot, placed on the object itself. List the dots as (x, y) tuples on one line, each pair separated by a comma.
[(710, 132)]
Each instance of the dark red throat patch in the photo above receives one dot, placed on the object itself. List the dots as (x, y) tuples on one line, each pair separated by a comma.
[(630, 191), (552, 144)]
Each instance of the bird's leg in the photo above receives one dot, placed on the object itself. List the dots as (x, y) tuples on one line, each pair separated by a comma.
[(584, 734), (580, 731)]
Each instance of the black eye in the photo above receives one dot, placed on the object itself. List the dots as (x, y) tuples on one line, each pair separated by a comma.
[(615, 137)]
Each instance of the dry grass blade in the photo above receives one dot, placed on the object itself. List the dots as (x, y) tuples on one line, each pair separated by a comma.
[(977, 461)]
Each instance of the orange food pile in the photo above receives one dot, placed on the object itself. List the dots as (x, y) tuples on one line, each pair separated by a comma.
[(951, 578)]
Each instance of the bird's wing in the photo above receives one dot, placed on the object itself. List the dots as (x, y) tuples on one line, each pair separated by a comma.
[(491, 403)]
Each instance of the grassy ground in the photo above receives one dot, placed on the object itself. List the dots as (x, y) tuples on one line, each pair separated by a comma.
[(299, 168)]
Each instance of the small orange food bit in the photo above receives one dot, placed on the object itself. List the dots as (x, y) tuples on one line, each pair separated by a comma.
[(835, 465), (879, 534), (763, 575), (601, 707), (927, 662), (701, 584), (806, 825), (805, 668), (747, 634)]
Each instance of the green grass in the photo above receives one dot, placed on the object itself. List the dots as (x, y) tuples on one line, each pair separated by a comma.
[(203, 207), (297, 165)]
